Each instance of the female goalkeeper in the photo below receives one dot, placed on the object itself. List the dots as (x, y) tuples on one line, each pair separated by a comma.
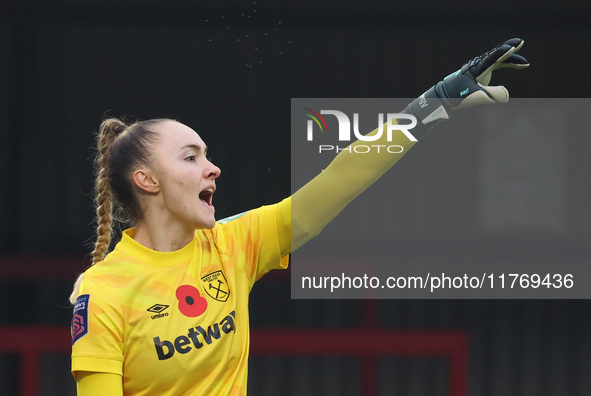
[(166, 312)]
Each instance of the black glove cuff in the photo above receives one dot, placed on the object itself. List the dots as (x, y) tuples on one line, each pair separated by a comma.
[(429, 110)]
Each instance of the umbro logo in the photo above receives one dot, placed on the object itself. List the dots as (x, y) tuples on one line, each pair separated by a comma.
[(158, 309)]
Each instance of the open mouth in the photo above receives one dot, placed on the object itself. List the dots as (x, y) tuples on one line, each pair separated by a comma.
[(206, 196)]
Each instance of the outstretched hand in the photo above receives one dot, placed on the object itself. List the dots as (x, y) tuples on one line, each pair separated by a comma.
[(467, 87)]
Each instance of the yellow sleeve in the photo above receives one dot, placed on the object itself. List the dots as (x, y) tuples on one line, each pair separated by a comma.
[(99, 346), (319, 201), (89, 383), (260, 236), (271, 252), (284, 226)]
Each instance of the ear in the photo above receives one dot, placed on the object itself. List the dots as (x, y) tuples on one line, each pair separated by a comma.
[(147, 182)]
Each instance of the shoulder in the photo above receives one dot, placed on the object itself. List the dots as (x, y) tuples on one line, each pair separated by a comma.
[(110, 275), (109, 267), (253, 225), (258, 215)]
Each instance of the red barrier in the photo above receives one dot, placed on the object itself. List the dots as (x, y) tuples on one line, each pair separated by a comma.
[(29, 267), (29, 343), (370, 345)]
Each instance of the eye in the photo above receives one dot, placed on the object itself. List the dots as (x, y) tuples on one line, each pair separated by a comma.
[(191, 158)]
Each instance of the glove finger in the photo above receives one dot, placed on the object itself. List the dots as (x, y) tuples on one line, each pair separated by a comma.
[(515, 42), (514, 61), (501, 52), (492, 62), (492, 59), (501, 56), (498, 56), (488, 59)]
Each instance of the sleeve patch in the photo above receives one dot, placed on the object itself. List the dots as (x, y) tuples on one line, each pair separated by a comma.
[(80, 318)]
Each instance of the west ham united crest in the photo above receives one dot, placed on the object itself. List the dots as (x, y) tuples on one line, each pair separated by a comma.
[(216, 285)]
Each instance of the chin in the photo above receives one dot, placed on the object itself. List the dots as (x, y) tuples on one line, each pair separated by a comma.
[(206, 224), (209, 226)]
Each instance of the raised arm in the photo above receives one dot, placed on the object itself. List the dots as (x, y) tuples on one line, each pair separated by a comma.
[(349, 174)]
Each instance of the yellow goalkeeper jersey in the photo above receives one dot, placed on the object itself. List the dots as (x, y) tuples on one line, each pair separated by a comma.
[(176, 323)]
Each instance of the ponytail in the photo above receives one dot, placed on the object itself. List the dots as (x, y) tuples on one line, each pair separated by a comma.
[(107, 134), (102, 188)]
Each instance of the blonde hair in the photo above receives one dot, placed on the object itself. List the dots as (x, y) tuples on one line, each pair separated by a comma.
[(120, 147)]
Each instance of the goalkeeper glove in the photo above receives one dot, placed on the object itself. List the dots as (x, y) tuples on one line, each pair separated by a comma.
[(466, 87)]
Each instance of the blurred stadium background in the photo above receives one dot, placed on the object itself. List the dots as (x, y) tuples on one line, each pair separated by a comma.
[(229, 69)]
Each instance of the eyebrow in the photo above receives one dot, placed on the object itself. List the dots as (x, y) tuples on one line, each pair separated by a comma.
[(195, 147)]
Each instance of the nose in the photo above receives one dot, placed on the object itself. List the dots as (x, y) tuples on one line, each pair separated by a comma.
[(212, 171)]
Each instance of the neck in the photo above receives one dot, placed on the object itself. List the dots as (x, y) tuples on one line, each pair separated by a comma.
[(162, 238)]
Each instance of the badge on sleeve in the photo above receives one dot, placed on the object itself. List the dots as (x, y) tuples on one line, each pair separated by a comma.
[(80, 318)]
